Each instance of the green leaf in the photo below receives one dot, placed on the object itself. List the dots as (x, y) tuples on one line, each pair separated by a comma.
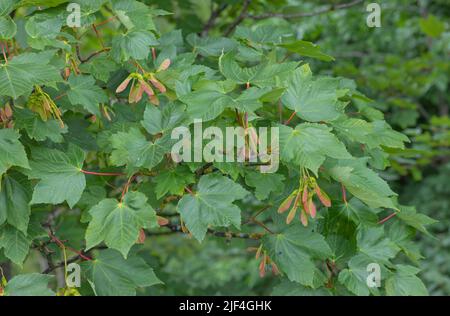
[(111, 275), (308, 49), (384, 135), (372, 241), (100, 67), (12, 152), (60, 175), (264, 183), (33, 284), (38, 129), (44, 25), (6, 7), (134, 150), (23, 72), (265, 74), (262, 34), (47, 3), (362, 182), (212, 205), (354, 278), (135, 44), (206, 104), (163, 119), (14, 203), (431, 26), (358, 212), (293, 251), (410, 216), (173, 181), (287, 288), (15, 243), (209, 104), (405, 282), (211, 46), (403, 236), (8, 28), (134, 15), (85, 92), (374, 134), (309, 144), (117, 223), (313, 99)]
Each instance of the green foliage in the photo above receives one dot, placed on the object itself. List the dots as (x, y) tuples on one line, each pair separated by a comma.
[(86, 173)]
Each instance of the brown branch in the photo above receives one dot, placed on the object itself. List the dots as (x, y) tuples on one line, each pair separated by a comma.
[(305, 14), (384, 220), (212, 19), (344, 194), (239, 19), (262, 225), (60, 264), (290, 118), (174, 228), (106, 174), (85, 60)]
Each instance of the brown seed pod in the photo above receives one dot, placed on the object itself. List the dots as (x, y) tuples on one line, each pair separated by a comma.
[(284, 206), (147, 88), (291, 214), (262, 267), (258, 252), (135, 93), (67, 72), (162, 221), (304, 218), (8, 111), (164, 65), (123, 85), (158, 85), (275, 270), (323, 197), (305, 198), (312, 208), (142, 237), (154, 100)]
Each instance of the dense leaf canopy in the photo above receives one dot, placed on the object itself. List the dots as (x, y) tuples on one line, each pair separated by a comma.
[(87, 175)]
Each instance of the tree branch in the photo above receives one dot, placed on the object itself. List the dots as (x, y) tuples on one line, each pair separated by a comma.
[(306, 14), (174, 228), (384, 220), (239, 19), (61, 264), (212, 19), (85, 60)]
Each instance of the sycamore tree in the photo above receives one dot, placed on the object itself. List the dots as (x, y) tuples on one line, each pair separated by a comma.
[(90, 94)]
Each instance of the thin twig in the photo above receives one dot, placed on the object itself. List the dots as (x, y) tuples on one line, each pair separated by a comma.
[(344, 194), (262, 225), (4, 53), (239, 19), (305, 14), (85, 60), (62, 245), (212, 19), (384, 220), (290, 118), (61, 264), (106, 174), (99, 37), (177, 229)]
